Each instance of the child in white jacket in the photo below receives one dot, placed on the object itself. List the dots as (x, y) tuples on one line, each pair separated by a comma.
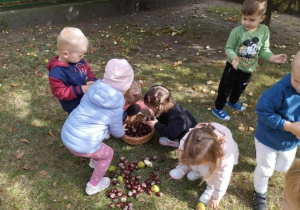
[(100, 112), (208, 150)]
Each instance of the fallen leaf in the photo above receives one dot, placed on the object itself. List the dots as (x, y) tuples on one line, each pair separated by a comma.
[(54, 184), (51, 133), (190, 101), (68, 206), (251, 129), (212, 92), (43, 173), (20, 155), (250, 94), (24, 140), (14, 85), (26, 167), (10, 128), (177, 63), (209, 82), (38, 73), (205, 90), (65, 197)]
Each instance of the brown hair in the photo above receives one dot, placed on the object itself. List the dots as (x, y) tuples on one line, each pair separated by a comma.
[(134, 93), (203, 146), (292, 184), (251, 7), (157, 95)]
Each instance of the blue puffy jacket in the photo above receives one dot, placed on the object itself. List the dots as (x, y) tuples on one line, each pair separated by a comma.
[(100, 111)]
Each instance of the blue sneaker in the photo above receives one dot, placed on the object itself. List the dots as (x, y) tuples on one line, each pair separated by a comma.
[(221, 114), (237, 106)]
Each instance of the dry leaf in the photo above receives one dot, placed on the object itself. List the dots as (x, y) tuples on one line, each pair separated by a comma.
[(20, 155), (209, 82), (177, 63), (10, 128), (251, 129), (205, 90), (37, 73), (65, 197), (189, 100), (212, 92), (26, 167), (14, 85), (54, 184), (51, 133), (24, 140), (250, 94), (43, 172), (68, 206), (195, 88)]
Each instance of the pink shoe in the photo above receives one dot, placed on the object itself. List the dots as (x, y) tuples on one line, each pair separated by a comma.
[(179, 172), (169, 143)]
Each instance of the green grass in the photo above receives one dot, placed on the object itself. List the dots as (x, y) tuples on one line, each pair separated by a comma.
[(48, 176)]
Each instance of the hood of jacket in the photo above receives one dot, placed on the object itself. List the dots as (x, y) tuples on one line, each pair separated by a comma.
[(104, 96), (55, 62)]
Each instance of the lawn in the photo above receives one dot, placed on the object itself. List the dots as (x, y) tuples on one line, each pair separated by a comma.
[(181, 48)]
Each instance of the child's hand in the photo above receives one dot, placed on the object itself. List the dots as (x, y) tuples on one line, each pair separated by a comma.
[(294, 128), (235, 62), (151, 123), (213, 203), (85, 88), (90, 82), (280, 58)]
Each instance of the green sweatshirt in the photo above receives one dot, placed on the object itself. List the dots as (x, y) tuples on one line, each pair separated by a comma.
[(248, 45)]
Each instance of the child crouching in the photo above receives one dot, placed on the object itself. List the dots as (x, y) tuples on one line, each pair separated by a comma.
[(208, 150)]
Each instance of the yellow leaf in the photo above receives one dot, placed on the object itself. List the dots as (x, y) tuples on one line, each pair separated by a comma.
[(46, 60), (20, 155), (51, 133), (24, 140), (190, 101)]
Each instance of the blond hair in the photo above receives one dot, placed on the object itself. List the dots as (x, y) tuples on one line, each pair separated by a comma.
[(70, 38), (203, 146), (292, 184), (252, 7), (134, 93)]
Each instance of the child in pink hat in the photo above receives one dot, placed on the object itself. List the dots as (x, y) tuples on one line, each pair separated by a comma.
[(100, 112)]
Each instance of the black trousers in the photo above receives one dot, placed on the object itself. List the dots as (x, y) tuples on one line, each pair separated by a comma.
[(232, 85)]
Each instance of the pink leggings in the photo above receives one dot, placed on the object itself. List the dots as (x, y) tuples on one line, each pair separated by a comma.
[(103, 157)]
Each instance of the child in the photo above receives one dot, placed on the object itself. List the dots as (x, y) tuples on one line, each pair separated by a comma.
[(246, 42), (173, 121), (208, 150), (99, 112), (278, 130), (69, 74), (133, 103), (291, 193)]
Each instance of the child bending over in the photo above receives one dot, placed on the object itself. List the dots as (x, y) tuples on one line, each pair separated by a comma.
[(208, 150), (100, 112), (173, 121)]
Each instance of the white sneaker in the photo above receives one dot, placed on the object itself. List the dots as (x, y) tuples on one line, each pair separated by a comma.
[(167, 142), (92, 163), (193, 175), (179, 172), (103, 184), (206, 195), (107, 136)]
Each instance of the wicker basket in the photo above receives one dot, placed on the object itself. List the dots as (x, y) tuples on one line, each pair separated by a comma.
[(137, 140)]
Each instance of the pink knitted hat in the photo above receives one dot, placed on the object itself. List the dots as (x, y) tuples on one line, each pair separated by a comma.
[(118, 74)]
